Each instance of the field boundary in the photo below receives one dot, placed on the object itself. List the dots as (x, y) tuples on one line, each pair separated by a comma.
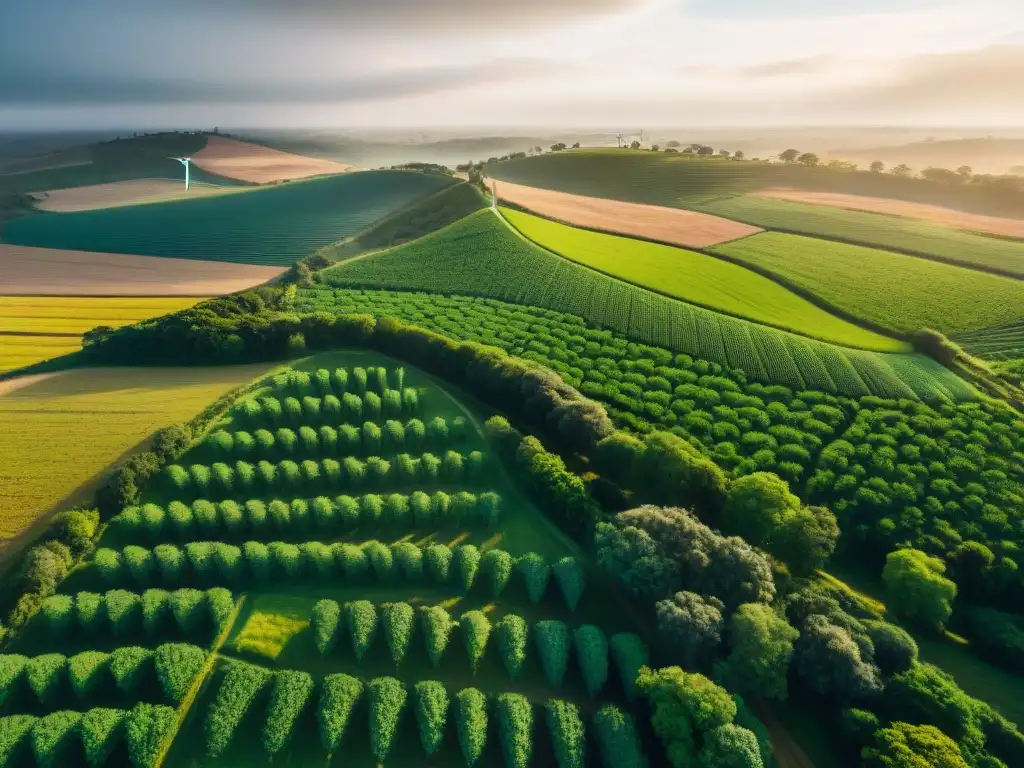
[(817, 301)]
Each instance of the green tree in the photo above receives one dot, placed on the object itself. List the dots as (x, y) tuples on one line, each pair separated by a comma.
[(916, 588), (809, 159), (912, 746), (789, 156), (761, 647)]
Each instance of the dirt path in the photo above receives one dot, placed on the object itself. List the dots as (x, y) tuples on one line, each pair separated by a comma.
[(668, 225), (12, 385), (257, 163), (972, 222)]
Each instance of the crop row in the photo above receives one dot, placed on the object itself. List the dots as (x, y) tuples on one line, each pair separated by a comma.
[(256, 563), (362, 623), (386, 700), (91, 674), (345, 440), (236, 520), (222, 481), (55, 739), (358, 380), (269, 410), (123, 614)]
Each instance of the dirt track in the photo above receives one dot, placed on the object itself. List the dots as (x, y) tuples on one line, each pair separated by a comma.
[(972, 222), (117, 193), (52, 272), (670, 225), (254, 162)]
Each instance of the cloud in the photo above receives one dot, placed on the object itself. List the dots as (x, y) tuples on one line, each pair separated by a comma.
[(808, 65), (44, 88), (775, 9)]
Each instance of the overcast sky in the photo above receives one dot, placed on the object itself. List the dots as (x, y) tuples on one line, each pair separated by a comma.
[(600, 63)]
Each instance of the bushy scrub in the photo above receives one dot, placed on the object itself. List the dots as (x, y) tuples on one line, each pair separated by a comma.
[(571, 581), (617, 739), (437, 628), (476, 629), (630, 654), (512, 634), (289, 694), (536, 575), (471, 723), (553, 642), (387, 701), (325, 621), (515, 729), (361, 619), (592, 654), (431, 706), (239, 687), (397, 620), (338, 697), (568, 736)]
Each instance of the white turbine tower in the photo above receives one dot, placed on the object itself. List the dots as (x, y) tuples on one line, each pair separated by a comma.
[(184, 161)]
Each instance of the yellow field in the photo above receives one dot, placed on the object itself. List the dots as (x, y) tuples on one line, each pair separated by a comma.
[(18, 351), (59, 434), (78, 314)]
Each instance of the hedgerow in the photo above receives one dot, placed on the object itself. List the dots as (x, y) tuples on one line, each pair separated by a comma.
[(512, 634), (553, 643), (630, 654), (568, 736), (338, 697), (592, 654), (87, 671), (147, 727), (14, 737), (325, 620), (437, 627), (387, 701), (569, 575), (397, 620), (476, 629), (536, 575), (177, 665), (130, 666), (431, 706), (515, 729), (12, 669), (289, 693), (45, 675), (102, 730), (239, 687), (471, 724), (361, 620), (52, 736), (617, 740)]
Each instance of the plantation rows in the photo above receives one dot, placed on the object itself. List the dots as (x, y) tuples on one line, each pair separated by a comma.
[(222, 481), (269, 410), (470, 715), (1003, 343), (361, 622), (951, 471), (480, 257), (300, 517), (255, 563)]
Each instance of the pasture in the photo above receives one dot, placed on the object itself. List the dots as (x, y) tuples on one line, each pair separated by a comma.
[(481, 256), (924, 238), (698, 279), (59, 434), (52, 272), (271, 226), (891, 290)]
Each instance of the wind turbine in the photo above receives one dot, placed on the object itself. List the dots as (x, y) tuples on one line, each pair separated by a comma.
[(184, 161)]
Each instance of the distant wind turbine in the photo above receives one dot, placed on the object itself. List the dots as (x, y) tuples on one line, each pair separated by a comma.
[(184, 161)]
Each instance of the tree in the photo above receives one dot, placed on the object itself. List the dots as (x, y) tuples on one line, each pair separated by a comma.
[(902, 745), (877, 166), (739, 154), (692, 626), (705, 151), (634, 145), (730, 746), (757, 505), (917, 589), (902, 170), (558, 147), (723, 152), (789, 156), (965, 172), (576, 145), (655, 147), (830, 663), (761, 645), (809, 159)]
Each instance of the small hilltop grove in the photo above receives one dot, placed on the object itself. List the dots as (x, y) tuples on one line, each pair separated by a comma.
[(422, 613)]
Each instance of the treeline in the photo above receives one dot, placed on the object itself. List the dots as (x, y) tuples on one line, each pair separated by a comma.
[(342, 699)]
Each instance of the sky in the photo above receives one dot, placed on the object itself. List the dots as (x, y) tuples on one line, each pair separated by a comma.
[(572, 63)]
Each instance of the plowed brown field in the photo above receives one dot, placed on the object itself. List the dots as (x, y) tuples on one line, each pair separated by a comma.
[(254, 162), (94, 196)]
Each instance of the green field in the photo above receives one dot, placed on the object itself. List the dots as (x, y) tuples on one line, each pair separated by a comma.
[(1004, 342), (481, 256), (891, 290), (902, 234), (274, 225), (698, 279)]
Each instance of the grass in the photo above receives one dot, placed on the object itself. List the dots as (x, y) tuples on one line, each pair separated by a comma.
[(698, 279), (891, 290), (59, 434), (275, 225), (78, 314), (1000, 343), (275, 620), (19, 351), (875, 229), (482, 256)]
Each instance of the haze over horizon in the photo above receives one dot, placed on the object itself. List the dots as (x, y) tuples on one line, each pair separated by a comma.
[(330, 63)]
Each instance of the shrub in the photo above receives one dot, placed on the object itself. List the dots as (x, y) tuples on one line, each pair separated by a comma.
[(617, 740), (512, 634), (569, 575), (338, 698), (130, 666), (286, 558), (124, 612), (630, 654), (230, 564), (319, 559), (156, 611), (12, 671), (102, 730), (592, 655), (568, 737), (288, 697), (187, 608), (220, 605), (409, 558), (52, 736), (431, 702), (496, 565), (437, 630), (355, 563), (89, 612), (476, 629), (180, 520), (299, 508), (387, 700), (13, 732), (536, 575), (58, 611), (437, 561), (553, 642), (397, 620), (515, 729), (257, 559), (361, 618), (240, 686), (382, 561), (325, 620), (467, 560), (108, 564), (371, 509), (488, 509), (471, 722), (86, 671), (146, 729), (200, 556), (177, 665), (347, 512)]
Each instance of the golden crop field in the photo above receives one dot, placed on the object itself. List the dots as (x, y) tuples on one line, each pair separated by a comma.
[(19, 351), (78, 314), (59, 434)]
